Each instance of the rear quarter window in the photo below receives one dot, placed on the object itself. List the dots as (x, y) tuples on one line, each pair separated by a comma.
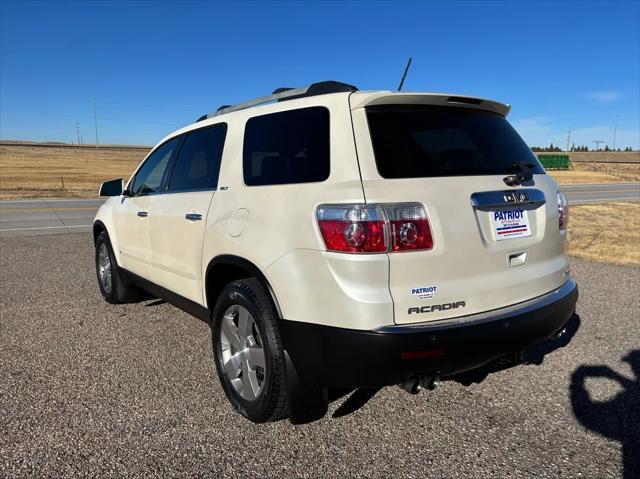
[(198, 163), (287, 147), (418, 141)]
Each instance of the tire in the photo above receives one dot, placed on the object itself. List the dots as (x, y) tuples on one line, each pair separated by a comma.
[(248, 352), (114, 288)]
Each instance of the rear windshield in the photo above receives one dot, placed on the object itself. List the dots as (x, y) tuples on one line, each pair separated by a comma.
[(415, 141)]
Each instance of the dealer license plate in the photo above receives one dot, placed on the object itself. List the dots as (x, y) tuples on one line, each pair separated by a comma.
[(511, 223)]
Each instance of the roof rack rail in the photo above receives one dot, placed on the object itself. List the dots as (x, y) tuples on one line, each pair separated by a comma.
[(286, 93)]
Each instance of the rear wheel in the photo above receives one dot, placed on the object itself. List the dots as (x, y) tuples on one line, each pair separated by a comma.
[(113, 286), (248, 352)]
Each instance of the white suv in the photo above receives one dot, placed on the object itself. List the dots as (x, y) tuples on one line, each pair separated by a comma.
[(343, 239)]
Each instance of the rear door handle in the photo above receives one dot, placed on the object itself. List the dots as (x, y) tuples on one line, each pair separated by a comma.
[(143, 214), (193, 216)]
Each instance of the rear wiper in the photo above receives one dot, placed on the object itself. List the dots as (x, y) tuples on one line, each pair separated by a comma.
[(524, 174)]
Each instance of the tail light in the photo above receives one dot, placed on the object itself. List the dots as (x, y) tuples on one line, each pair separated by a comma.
[(409, 227), (364, 228), (563, 211), (353, 228)]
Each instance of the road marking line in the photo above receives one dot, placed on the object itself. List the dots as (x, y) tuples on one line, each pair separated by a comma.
[(580, 185), (604, 191), (44, 228), (55, 200), (591, 200), (28, 210)]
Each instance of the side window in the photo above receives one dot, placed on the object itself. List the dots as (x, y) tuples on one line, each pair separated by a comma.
[(198, 162), (287, 147), (150, 176)]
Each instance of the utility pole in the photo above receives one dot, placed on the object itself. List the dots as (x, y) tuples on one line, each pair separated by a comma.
[(595, 153), (95, 120), (78, 131), (615, 131), (568, 139)]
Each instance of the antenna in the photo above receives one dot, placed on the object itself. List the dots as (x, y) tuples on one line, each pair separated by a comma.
[(404, 75)]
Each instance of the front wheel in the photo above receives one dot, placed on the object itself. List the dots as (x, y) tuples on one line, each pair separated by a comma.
[(113, 286), (248, 352)]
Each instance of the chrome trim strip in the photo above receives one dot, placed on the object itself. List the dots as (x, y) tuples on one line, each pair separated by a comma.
[(494, 315), (522, 196)]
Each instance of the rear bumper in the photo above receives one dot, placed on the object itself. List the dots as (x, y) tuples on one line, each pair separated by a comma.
[(325, 356)]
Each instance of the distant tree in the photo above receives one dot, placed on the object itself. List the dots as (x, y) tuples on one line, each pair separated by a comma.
[(606, 148), (573, 147)]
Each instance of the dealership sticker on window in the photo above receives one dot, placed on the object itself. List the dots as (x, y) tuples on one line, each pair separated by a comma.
[(426, 292)]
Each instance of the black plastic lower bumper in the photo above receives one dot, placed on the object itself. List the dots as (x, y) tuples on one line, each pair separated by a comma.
[(326, 356)]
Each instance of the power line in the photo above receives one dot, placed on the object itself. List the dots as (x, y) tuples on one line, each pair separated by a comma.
[(103, 119), (109, 102)]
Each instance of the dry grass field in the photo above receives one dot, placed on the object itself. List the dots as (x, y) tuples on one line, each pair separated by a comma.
[(583, 172), (607, 233), (605, 170), (28, 171), (603, 156)]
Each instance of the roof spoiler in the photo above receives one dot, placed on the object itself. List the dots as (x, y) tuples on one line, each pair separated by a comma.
[(441, 99)]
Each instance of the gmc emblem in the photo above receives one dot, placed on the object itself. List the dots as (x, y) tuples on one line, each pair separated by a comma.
[(516, 197)]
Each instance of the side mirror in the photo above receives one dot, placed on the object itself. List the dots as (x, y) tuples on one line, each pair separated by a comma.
[(111, 187)]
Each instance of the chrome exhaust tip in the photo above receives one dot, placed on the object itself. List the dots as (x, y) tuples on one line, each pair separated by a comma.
[(420, 383), (411, 385)]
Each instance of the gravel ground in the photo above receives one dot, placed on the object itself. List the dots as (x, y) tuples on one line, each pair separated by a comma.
[(90, 389)]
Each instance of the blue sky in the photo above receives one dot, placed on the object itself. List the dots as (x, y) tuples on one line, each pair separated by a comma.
[(156, 66)]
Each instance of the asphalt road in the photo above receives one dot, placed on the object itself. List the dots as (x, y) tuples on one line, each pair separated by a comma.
[(42, 217), (601, 192), (89, 389), (47, 216)]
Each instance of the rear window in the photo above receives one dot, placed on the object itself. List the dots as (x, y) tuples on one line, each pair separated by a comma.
[(287, 147), (411, 141)]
